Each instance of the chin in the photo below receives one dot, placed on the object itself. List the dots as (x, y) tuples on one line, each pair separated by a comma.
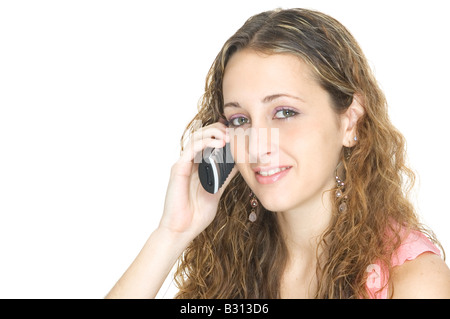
[(275, 204)]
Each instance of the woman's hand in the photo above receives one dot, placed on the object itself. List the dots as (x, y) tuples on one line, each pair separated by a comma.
[(188, 208)]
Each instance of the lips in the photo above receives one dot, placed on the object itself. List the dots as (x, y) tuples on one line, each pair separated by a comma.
[(268, 175)]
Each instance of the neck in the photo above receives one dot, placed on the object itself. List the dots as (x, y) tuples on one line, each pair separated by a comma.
[(302, 227)]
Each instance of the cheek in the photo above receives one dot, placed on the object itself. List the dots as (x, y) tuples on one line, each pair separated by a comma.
[(240, 155), (315, 147)]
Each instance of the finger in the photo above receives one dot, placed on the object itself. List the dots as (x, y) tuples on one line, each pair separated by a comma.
[(195, 148), (209, 132)]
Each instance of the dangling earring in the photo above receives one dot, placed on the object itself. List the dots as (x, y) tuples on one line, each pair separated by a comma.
[(254, 204), (340, 191)]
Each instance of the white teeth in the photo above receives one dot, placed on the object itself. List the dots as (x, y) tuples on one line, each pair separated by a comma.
[(272, 171)]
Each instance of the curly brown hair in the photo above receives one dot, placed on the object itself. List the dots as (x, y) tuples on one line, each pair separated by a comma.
[(234, 258)]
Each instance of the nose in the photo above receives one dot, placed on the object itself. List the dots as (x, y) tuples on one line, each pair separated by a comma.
[(263, 145)]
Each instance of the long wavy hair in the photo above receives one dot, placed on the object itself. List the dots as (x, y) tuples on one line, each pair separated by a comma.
[(235, 258)]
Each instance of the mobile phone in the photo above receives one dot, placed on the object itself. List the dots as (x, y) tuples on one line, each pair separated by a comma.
[(215, 167)]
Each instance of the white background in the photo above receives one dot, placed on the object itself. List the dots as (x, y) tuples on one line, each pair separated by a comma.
[(94, 97)]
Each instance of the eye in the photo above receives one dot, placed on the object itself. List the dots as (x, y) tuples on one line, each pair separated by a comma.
[(285, 113), (238, 121)]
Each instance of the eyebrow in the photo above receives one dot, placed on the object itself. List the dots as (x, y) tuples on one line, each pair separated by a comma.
[(267, 99)]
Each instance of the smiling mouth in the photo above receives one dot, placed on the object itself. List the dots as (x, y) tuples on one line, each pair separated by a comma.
[(271, 175), (273, 171)]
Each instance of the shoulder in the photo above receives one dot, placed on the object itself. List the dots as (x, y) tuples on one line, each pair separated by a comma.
[(418, 271), (426, 276)]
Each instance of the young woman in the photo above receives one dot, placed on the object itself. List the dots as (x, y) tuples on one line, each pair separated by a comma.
[(320, 209)]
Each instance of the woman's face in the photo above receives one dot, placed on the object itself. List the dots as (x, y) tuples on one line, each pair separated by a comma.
[(293, 138)]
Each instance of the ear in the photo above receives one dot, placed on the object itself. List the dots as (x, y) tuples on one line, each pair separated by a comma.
[(350, 119)]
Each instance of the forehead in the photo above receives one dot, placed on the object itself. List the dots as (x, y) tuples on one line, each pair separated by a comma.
[(256, 73)]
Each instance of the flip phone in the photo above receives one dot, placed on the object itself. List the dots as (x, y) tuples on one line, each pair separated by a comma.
[(215, 167)]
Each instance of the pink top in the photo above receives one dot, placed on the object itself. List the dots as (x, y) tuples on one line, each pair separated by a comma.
[(415, 244)]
